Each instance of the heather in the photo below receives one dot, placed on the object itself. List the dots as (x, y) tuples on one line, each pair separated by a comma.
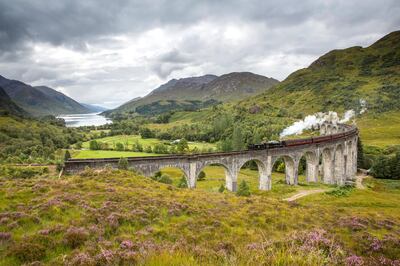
[(121, 218)]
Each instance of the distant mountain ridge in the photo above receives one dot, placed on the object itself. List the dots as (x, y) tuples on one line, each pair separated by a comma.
[(94, 108), (40, 100), (228, 87)]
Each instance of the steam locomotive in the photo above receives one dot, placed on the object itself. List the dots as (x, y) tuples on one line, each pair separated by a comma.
[(297, 142)]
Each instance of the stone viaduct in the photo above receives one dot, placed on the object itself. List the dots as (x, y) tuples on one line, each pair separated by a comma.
[(332, 155)]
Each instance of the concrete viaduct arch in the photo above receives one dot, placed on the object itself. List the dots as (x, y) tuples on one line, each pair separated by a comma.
[(337, 146)]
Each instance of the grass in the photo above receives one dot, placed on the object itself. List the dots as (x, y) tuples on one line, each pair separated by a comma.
[(120, 218), (85, 154), (380, 130), (215, 176), (128, 140)]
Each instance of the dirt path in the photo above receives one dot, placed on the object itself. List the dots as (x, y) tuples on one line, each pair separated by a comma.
[(304, 193), (359, 179)]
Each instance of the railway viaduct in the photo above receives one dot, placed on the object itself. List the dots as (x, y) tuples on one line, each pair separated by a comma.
[(332, 155)]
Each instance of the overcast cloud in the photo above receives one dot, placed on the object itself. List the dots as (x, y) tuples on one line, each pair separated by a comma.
[(108, 52)]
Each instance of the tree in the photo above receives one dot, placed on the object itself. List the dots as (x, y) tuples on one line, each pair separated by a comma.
[(183, 182), (225, 145), (123, 164), (93, 145), (146, 133), (148, 149), (182, 145), (360, 155), (67, 155), (202, 176), (119, 146), (78, 145), (238, 143), (243, 190)]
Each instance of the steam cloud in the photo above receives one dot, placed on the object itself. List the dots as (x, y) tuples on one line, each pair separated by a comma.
[(314, 121)]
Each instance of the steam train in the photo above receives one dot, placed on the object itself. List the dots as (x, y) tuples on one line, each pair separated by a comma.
[(297, 142)]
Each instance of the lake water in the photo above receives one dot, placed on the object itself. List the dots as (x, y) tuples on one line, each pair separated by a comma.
[(78, 120)]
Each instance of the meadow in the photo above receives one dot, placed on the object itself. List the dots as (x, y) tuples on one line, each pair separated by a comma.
[(128, 140), (121, 218), (86, 154)]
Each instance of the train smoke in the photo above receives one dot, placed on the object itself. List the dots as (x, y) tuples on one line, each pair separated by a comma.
[(314, 121)]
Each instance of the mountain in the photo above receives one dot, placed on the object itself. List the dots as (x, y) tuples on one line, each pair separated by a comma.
[(7, 106), (353, 78), (94, 108), (40, 100), (228, 87)]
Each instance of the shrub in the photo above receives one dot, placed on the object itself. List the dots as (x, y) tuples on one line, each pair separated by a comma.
[(341, 191), (123, 164), (67, 155), (75, 236), (119, 146), (22, 172), (183, 182), (165, 179), (221, 188), (202, 176), (27, 251), (94, 145), (243, 190)]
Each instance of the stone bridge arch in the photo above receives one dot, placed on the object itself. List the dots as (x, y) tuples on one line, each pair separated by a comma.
[(264, 175)]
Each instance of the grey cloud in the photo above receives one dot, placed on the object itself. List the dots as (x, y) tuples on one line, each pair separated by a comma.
[(282, 35)]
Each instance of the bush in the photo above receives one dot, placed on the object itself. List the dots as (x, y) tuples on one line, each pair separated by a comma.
[(387, 167), (202, 176), (123, 164), (94, 145), (75, 236), (119, 146), (341, 191), (183, 182), (221, 188), (165, 179), (243, 190), (27, 251), (67, 155), (22, 172)]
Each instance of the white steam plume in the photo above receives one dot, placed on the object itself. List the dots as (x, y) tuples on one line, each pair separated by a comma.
[(314, 121)]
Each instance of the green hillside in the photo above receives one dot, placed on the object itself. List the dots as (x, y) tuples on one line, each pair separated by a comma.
[(339, 79), (7, 106)]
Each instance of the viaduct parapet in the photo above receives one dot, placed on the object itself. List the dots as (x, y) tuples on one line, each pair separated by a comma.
[(332, 155)]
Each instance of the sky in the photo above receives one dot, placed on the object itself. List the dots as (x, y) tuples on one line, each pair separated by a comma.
[(108, 52)]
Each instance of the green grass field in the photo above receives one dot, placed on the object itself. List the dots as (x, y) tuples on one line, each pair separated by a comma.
[(215, 176), (380, 130), (85, 154), (128, 140)]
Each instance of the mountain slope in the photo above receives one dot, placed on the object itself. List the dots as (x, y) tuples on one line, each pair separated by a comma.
[(7, 106), (40, 100), (340, 79), (227, 87)]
